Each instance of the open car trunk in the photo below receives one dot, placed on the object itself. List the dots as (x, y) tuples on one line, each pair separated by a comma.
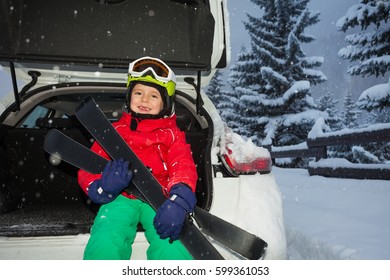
[(108, 33), (48, 198), (74, 45)]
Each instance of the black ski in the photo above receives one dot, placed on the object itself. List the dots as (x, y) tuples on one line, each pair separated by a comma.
[(94, 120), (97, 124), (64, 148), (228, 235)]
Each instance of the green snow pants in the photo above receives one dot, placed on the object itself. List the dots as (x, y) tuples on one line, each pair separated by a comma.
[(114, 231)]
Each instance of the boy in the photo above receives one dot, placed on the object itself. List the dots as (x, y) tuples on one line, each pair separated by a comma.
[(149, 127)]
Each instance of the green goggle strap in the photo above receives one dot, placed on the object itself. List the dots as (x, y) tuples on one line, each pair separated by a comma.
[(169, 86)]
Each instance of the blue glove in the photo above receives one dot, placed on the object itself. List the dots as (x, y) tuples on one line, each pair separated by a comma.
[(170, 215), (115, 177)]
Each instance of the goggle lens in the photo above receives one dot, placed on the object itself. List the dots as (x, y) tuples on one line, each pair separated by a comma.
[(157, 67)]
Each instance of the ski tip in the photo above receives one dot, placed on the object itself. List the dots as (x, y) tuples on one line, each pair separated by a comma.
[(47, 142), (264, 251), (86, 101)]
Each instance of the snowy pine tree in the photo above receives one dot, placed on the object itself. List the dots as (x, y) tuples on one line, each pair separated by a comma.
[(351, 113), (379, 116), (349, 119), (277, 100), (242, 73), (224, 100), (373, 152), (360, 155), (214, 89), (327, 104), (241, 79), (369, 48), (380, 149)]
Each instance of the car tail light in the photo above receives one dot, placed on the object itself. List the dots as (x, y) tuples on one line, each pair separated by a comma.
[(246, 166)]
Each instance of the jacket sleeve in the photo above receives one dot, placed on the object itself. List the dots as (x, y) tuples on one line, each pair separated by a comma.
[(181, 164), (85, 178)]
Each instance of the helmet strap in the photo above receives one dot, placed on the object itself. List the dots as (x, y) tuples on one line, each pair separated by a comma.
[(134, 124)]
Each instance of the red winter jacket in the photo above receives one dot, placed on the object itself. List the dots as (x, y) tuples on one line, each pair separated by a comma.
[(160, 145)]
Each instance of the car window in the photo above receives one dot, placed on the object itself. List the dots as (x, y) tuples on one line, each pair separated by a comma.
[(6, 91), (62, 107), (38, 112)]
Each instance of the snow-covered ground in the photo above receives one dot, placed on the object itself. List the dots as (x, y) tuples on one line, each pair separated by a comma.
[(331, 218)]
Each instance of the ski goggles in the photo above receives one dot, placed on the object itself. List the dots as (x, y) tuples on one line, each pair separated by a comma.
[(153, 70)]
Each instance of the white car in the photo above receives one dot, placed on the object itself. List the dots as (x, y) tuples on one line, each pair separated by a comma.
[(50, 63)]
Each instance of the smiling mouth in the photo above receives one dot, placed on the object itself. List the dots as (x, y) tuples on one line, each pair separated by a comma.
[(142, 108)]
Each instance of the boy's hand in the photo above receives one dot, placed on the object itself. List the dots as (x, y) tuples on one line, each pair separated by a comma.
[(170, 216), (116, 176)]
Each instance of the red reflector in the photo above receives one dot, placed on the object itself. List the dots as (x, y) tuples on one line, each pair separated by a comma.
[(258, 165)]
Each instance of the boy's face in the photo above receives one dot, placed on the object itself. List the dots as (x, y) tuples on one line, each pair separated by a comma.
[(146, 100)]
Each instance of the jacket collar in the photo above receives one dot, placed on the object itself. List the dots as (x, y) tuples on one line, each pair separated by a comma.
[(147, 125)]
